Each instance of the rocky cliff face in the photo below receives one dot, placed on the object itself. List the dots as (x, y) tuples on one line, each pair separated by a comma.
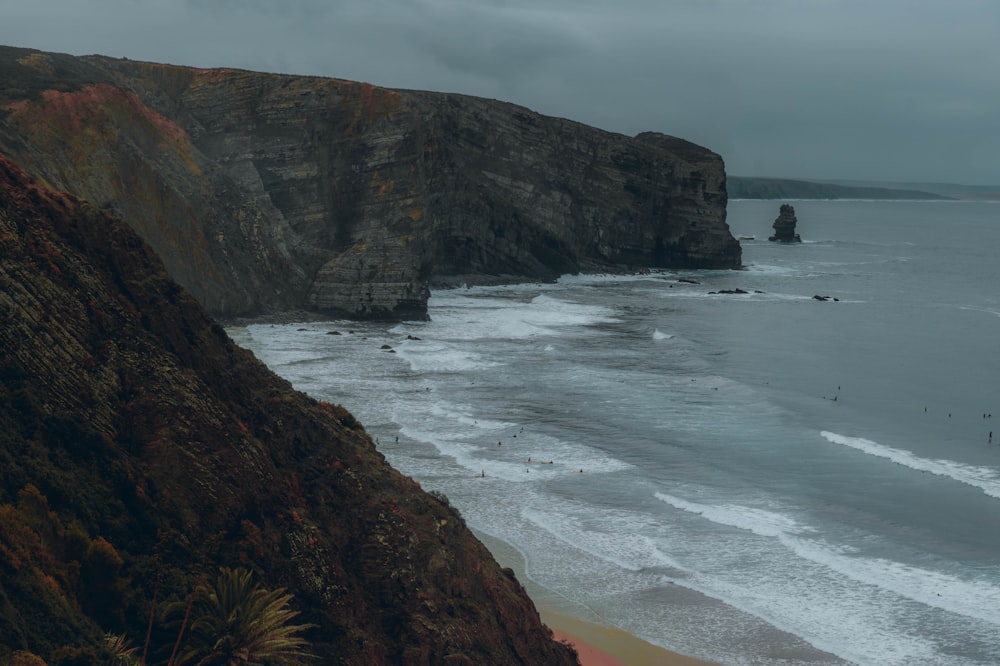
[(140, 449), (266, 192)]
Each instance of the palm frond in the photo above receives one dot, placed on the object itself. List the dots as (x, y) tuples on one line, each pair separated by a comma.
[(235, 621), (118, 651)]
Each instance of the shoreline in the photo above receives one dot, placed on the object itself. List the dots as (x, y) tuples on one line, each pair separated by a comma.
[(600, 645), (300, 314), (597, 644)]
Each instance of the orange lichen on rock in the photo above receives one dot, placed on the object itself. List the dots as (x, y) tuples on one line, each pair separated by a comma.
[(367, 104), (99, 109), (379, 102), (382, 187), (39, 62)]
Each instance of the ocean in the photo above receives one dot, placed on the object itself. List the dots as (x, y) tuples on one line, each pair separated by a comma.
[(750, 478)]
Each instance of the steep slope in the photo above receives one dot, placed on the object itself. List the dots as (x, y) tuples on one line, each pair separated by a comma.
[(264, 192), (140, 449)]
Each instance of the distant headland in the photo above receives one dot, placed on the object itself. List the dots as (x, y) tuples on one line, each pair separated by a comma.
[(741, 187)]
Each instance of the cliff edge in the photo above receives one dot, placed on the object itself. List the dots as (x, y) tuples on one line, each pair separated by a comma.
[(266, 192), (141, 449)]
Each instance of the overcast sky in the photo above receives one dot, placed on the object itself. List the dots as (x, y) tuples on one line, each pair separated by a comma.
[(892, 90)]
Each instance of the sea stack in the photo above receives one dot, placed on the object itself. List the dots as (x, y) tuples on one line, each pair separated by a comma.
[(784, 226)]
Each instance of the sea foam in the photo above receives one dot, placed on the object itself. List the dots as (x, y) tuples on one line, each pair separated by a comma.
[(758, 521), (984, 478), (623, 545), (493, 318), (978, 599), (501, 449), (432, 356), (800, 593)]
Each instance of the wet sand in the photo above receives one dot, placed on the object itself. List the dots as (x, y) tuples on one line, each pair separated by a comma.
[(596, 644)]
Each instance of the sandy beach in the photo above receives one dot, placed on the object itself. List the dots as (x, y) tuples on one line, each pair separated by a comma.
[(596, 644)]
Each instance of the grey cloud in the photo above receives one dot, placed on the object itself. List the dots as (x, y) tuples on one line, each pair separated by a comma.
[(889, 90), (494, 44)]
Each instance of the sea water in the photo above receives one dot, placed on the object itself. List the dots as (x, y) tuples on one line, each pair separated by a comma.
[(758, 478)]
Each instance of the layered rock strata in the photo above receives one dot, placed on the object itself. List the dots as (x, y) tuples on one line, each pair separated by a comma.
[(268, 192), (141, 449)]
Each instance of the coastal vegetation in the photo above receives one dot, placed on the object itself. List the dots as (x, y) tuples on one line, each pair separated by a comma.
[(147, 463), (232, 620)]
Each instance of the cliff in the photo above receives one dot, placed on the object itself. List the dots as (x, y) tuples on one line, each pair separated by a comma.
[(267, 192), (140, 449)]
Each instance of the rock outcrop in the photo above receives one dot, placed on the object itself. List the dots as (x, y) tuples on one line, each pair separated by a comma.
[(268, 192), (141, 449), (784, 226)]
